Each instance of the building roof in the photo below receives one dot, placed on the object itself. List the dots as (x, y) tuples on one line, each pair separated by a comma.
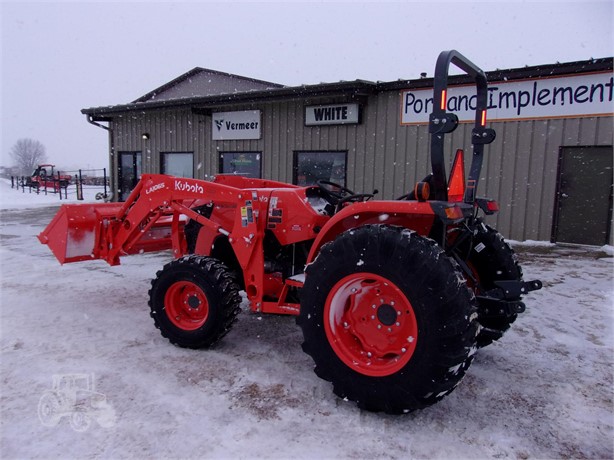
[(200, 82), (204, 89)]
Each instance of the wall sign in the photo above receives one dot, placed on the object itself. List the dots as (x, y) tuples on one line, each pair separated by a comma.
[(235, 125), (564, 97), (339, 114)]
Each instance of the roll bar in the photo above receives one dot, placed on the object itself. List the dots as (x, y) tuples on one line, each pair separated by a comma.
[(442, 122)]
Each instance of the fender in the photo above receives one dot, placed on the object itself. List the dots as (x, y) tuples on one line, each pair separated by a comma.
[(419, 216)]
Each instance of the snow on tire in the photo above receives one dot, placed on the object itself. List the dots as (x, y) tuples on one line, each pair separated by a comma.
[(387, 318), (491, 259), (194, 301)]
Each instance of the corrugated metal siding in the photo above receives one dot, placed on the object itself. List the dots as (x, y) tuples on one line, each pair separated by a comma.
[(519, 168)]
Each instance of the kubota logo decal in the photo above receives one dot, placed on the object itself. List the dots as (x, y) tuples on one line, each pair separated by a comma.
[(185, 186)]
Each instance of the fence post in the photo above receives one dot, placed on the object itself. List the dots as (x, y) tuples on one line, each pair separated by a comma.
[(104, 175), (79, 186)]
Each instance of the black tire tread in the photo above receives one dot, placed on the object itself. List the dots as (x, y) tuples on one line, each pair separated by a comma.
[(222, 280), (496, 262), (382, 246)]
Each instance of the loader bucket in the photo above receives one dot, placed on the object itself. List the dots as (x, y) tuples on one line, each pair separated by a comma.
[(73, 233)]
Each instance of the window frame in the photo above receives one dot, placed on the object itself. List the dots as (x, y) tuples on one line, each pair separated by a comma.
[(246, 152), (163, 156), (295, 164)]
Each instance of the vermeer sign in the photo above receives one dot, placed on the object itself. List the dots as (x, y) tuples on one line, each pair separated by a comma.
[(235, 125), (575, 96), (340, 114)]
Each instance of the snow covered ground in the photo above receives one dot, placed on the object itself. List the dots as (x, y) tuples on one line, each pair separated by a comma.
[(544, 391)]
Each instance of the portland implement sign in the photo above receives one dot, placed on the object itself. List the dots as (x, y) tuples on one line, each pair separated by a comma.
[(565, 97), (235, 125)]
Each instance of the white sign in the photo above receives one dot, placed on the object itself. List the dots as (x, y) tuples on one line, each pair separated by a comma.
[(339, 114), (235, 125), (564, 97)]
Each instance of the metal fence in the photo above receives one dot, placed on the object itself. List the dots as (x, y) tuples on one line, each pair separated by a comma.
[(59, 183)]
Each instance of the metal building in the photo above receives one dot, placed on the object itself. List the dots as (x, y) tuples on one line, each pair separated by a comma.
[(550, 166)]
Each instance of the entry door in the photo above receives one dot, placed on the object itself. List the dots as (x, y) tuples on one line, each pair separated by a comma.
[(583, 210), (129, 173)]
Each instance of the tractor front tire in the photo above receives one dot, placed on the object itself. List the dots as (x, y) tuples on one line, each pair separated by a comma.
[(194, 301), (388, 318)]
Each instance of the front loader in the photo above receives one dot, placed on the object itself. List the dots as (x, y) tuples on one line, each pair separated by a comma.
[(393, 297)]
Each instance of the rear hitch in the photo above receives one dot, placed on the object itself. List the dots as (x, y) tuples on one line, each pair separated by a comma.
[(514, 289), (504, 300), (493, 307)]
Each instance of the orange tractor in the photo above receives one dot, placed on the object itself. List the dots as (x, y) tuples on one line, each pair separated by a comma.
[(393, 297)]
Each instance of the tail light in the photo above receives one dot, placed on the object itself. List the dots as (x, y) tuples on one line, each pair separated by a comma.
[(443, 99)]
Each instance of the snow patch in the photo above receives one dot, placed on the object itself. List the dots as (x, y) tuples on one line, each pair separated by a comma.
[(609, 250)]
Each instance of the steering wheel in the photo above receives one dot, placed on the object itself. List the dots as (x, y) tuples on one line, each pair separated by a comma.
[(328, 188), (356, 197), (343, 195)]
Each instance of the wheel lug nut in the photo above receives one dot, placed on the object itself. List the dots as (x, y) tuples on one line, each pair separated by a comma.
[(379, 326), (397, 324)]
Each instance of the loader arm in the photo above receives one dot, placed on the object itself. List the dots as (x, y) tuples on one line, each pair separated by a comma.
[(150, 219)]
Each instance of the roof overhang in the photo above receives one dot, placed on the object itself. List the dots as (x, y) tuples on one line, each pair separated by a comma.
[(523, 73), (354, 90)]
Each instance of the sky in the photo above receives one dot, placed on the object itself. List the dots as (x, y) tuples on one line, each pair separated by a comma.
[(60, 57)]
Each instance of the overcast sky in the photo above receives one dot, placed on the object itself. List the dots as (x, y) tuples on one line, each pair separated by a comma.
[(60, 57)]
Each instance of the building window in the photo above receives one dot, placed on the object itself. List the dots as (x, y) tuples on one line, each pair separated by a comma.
[(128, 173), (310, 167), (178, 164), (241, 163)]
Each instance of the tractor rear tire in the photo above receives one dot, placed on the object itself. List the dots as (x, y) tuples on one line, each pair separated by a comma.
[(194, 301), (492, 259), (388, 318)]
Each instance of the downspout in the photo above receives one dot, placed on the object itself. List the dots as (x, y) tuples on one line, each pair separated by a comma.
[(91, 121)]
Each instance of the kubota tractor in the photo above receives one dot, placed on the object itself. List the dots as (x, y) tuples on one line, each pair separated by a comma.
[(393, 297)]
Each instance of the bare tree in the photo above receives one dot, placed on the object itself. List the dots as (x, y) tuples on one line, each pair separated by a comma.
[(27, 154)]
